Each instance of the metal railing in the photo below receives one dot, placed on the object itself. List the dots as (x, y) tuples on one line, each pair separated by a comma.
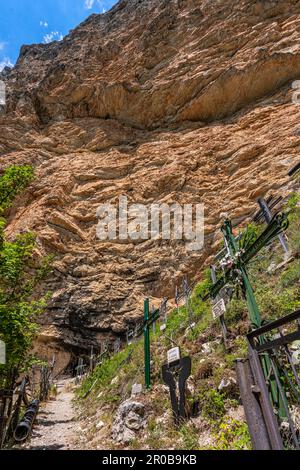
[(271, 395)]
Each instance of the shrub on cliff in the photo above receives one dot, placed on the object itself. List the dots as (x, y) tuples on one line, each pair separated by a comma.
[(14, 180)]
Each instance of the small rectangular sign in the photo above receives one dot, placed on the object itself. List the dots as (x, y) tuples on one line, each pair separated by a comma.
[(218, 309), (173, 355), (2, 93), (2, 353)]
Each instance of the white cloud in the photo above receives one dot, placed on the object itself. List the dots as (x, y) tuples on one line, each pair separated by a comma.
[(2, 45), (53, 36), (101, 5), (6, 62), (44, 24), (88, 4)]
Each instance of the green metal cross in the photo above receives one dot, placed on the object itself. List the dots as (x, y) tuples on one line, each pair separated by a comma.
[(236, 271), (148, 321), (240, 258)]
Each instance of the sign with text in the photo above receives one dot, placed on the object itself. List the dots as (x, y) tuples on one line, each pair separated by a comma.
[(218, 309), (2, 353), (2, 93), (173, 356)]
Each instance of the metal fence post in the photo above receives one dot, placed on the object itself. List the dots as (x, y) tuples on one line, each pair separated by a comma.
[(218, 297), (147, 344), (268, 217)]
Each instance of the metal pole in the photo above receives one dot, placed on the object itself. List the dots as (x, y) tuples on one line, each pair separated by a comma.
[(218, 297), (187, 291), (254, 313), (268, 217), (92, 359), (251, 301), (147, 344), (154, 323), (177, 299), (250, 400), (250, 298)]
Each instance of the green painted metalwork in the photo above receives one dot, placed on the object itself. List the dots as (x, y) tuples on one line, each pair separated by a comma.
[(240, 259), (148, 321), (147, 344), (241, 271), (236, 271), (253, 308)]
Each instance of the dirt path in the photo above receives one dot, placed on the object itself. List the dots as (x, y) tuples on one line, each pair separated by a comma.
[(55, 428)]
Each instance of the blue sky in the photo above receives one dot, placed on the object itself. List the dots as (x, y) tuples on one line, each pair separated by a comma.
[(37, 21)]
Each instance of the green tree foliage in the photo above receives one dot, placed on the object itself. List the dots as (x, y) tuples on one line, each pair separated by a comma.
[(14, 180), (21, 271)]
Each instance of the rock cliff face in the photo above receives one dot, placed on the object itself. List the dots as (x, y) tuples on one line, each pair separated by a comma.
[(182, 101)]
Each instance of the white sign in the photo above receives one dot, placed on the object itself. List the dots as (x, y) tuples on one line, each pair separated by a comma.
[(163, 327), (2, 93), (2, 353), (218, 309), (173, 355)]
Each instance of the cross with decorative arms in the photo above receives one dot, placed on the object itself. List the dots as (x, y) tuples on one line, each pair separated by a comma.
[(235, 271), (236, 266)]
